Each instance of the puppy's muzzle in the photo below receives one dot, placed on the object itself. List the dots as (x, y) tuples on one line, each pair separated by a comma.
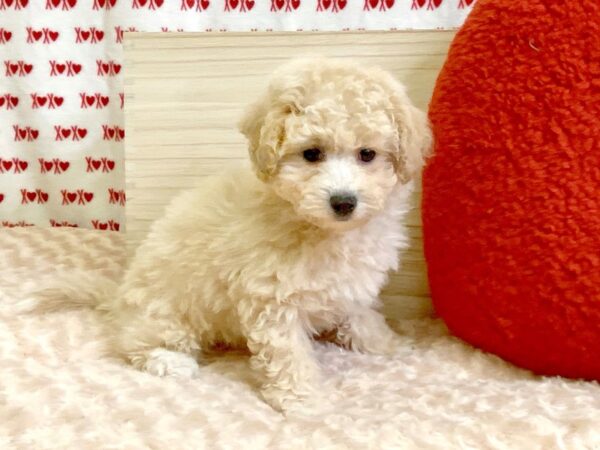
[(343, 204)]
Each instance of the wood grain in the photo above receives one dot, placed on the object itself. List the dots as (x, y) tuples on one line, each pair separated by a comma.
[(185, 92)]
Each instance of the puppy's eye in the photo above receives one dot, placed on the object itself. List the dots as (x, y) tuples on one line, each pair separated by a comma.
[(366, 154), (313, 155)]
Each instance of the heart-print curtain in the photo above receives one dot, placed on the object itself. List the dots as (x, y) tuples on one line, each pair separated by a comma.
[(61, 87)]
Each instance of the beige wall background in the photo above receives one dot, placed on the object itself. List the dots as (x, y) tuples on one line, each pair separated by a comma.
[(184, 94)]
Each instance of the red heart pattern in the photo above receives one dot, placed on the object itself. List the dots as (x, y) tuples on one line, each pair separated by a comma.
[(55, 166), (40, 87), (432, 5)]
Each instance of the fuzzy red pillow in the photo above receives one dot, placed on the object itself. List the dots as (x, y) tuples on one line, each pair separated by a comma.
[(511, 200)]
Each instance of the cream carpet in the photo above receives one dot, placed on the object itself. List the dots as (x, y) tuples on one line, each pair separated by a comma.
[(59, 390)]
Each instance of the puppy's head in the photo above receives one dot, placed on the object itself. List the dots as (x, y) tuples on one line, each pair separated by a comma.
[(334, 139)]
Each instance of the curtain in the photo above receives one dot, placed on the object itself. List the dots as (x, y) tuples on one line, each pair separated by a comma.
[(61, 86)]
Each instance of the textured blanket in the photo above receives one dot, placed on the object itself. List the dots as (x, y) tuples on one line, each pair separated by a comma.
[(60, 389)]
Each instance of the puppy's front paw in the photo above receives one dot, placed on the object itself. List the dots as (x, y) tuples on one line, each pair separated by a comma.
[(163, 362), (382, 343), (386, 346), (279, 399), (297, 400), (368, 332)]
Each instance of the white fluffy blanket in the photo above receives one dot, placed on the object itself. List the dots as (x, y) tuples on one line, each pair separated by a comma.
[(58, 388)]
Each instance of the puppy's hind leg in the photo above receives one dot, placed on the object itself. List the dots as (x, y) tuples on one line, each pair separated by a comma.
[(162, 347), (163, 362)]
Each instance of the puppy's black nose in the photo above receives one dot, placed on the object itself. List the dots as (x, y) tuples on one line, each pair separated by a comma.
[(343, 204)]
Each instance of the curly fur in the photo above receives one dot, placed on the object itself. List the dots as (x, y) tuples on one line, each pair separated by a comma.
[(263, 262)]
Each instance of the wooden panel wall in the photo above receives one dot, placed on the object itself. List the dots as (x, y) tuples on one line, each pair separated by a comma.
[(184, 94)]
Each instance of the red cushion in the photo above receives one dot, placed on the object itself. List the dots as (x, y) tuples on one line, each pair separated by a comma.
[(511, 200)]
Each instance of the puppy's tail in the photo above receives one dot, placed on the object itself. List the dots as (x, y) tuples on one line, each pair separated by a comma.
[(66, 290)]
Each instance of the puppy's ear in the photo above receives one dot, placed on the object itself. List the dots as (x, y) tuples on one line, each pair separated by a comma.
[(414, 132), (263, 124)]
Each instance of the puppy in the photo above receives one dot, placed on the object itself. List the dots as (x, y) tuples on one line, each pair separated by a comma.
[(300, 245)]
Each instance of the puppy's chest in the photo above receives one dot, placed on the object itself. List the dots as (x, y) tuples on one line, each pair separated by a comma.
[(346, 271)]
